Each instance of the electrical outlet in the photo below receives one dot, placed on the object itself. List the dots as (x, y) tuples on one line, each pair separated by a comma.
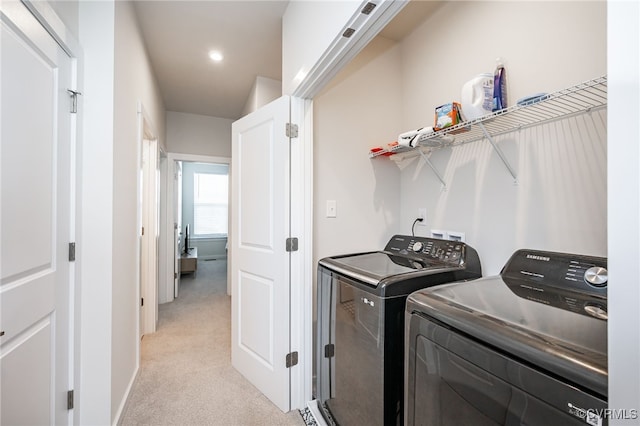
[(456, 236), (422, 214), (437, 233)]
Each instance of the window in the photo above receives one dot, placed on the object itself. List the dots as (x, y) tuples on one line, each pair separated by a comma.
[(210, 203)]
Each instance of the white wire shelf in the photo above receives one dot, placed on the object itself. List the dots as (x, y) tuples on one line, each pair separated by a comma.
[(588, 96)]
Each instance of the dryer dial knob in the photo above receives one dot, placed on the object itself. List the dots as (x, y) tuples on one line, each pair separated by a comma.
[(596, 311), (417, 246), (596, 276)]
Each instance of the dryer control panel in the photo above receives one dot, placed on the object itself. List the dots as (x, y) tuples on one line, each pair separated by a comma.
[(569, 281), (428, 249)]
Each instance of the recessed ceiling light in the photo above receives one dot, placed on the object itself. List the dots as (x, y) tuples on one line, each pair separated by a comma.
[(216, 56)]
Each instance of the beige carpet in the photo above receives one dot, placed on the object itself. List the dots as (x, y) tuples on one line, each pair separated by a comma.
[(185, 375)]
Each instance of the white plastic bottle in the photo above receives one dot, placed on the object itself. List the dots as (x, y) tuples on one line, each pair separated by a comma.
[(477, 96)]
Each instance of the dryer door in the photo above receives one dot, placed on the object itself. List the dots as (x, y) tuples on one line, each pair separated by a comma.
[(453, 380)]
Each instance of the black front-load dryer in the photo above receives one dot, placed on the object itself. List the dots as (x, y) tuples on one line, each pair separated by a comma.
[(360, 328), (527, 347)]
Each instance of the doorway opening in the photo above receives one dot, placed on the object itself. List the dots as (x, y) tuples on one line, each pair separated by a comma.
[(203, 215), (197, 195)]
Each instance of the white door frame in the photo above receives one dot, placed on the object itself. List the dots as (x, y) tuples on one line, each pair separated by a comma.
[(147, 202), (336, 57), (302, 269), (166, 282)]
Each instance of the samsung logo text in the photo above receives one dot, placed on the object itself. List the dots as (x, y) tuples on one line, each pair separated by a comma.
[(541, 258)]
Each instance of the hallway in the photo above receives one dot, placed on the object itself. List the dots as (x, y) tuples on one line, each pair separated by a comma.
[(186, 375)]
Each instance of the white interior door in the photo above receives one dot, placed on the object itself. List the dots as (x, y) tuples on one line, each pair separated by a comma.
[(36, 223), (144, 239), (149, 237), (260, 267)]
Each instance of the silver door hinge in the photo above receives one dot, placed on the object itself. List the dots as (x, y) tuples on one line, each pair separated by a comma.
[(72, 252), (292, 244), (292, 359), (74, 100), (292, 130), (175, 275), (70, 400)]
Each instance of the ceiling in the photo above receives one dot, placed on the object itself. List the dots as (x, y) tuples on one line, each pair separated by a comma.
[(179, 35)]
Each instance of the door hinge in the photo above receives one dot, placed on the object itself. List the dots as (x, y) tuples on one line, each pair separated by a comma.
[(348, 32), (70, 400), (292, 359), (142, 301), (143, 230), (74, 100), (368, 8), (292, 244), (72, 252), (329, 350), (292, 130), (175, 275)]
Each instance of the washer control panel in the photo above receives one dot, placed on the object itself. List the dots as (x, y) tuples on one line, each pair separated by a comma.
[(429, 249)]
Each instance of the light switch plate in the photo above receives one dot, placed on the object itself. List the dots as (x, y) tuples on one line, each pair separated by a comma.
[(332, 208)]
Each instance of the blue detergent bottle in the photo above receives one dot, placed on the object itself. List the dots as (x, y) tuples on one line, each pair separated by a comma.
[(499, 86)]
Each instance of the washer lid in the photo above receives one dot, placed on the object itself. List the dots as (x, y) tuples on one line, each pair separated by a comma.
[(560, 340), (376, 266), (385, 274)]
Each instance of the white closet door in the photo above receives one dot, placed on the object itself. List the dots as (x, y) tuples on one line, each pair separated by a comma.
[(36, 218)]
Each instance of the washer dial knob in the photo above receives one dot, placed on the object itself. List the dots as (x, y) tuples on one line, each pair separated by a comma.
[(417, 246), (596, 276)]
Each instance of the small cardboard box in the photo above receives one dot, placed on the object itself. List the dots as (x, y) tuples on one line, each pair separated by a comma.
[(448, 115)]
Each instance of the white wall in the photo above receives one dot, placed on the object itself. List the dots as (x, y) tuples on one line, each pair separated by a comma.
[(95, 251), (308, 29), (624, 207), (107, 255), (264, 90), (198, 134), (135, 83), (67, 11), (360, 109), (561, 167)]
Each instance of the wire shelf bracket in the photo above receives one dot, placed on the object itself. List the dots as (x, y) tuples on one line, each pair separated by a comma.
[(500, 153), (435, 170)]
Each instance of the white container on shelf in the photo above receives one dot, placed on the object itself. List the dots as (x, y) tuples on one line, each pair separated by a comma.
[(477, 96)]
